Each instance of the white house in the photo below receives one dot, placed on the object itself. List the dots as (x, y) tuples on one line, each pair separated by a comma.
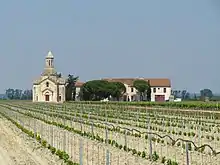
[(160, 88), (49, 87)]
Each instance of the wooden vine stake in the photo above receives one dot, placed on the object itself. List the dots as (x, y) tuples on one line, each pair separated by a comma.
[(64, 140), (87, 152), (187, 153), (81, 151), (126, 139), (107, 151), (52, 136), (150, 146), (35, 132)]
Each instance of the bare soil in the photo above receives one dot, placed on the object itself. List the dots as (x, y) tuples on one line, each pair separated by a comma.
[(17, 149)]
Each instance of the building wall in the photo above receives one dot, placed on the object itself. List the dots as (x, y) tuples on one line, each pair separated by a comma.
[(62, 93), (54, 91), (133, 95), (77, 97), (160, 91)]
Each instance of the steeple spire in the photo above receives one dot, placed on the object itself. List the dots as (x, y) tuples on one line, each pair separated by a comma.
[(49, 65), (49, 55)]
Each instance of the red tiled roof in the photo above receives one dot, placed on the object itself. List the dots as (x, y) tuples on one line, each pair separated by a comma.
[(154, 82), (79, 84)]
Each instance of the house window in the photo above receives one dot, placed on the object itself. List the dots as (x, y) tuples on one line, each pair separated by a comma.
[(59, 98), (154, 90), (47, 84), (132, 98), (132, 89), (164, 90)]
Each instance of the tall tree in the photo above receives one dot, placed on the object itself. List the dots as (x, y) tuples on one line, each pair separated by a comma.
[(17, 94), (10, 93), (27, 95), (117, 89), (70, 87), (176, 94), (185, 95), (148, 92), (97, 90), (142, 86), (206, 93)]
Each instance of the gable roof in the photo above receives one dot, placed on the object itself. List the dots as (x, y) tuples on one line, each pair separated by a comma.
[(53, 79), (79, 84), (154, 82)]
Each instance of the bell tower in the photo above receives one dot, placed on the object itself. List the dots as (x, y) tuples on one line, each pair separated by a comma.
[(49, 69), (49, 60)]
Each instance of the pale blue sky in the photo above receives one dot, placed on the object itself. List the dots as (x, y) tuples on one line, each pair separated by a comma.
[(176, 39)]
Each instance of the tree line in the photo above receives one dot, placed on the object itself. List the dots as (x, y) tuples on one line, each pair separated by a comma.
[(184, 95), (18, 94)]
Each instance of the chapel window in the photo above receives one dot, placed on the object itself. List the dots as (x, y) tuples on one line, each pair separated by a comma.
[(47, 84)]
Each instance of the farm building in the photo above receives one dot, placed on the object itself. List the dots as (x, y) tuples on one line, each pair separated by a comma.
[(160, 88)]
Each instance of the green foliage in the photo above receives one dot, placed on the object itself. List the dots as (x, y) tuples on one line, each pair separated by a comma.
[(163, 159), (142, 87), (155, 156), (170, 162), (117, 89), (101, 89), (70, 87), (143, 154), (18, 94), (179, 105), (206, 93)]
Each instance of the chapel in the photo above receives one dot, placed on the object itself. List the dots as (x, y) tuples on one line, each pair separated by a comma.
[(50, 86)]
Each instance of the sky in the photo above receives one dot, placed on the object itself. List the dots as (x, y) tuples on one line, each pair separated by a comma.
[(94, 39)]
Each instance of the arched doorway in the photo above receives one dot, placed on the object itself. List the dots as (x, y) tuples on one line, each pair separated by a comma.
[(47, 97)]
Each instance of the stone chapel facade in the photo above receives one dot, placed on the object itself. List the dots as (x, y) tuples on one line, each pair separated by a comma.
[(49, 87)]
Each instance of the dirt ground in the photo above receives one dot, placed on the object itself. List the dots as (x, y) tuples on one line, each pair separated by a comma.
[(17, 149)]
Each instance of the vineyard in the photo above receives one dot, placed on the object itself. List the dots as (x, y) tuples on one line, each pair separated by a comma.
[(117, 134)]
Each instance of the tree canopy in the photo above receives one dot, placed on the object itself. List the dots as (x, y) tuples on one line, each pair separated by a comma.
[(18, 94), (143, 87), (70, 87), (102, 89), (206, 93)]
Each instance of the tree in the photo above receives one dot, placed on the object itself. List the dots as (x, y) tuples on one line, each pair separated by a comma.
[(17, 94), (149, 92), (59, 75), (185, 95), (194, 97), (27, 95), (70, 87), (100, 89), (206, 93), (176, 94), (117, 89), (142, 86), (10, 93)]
